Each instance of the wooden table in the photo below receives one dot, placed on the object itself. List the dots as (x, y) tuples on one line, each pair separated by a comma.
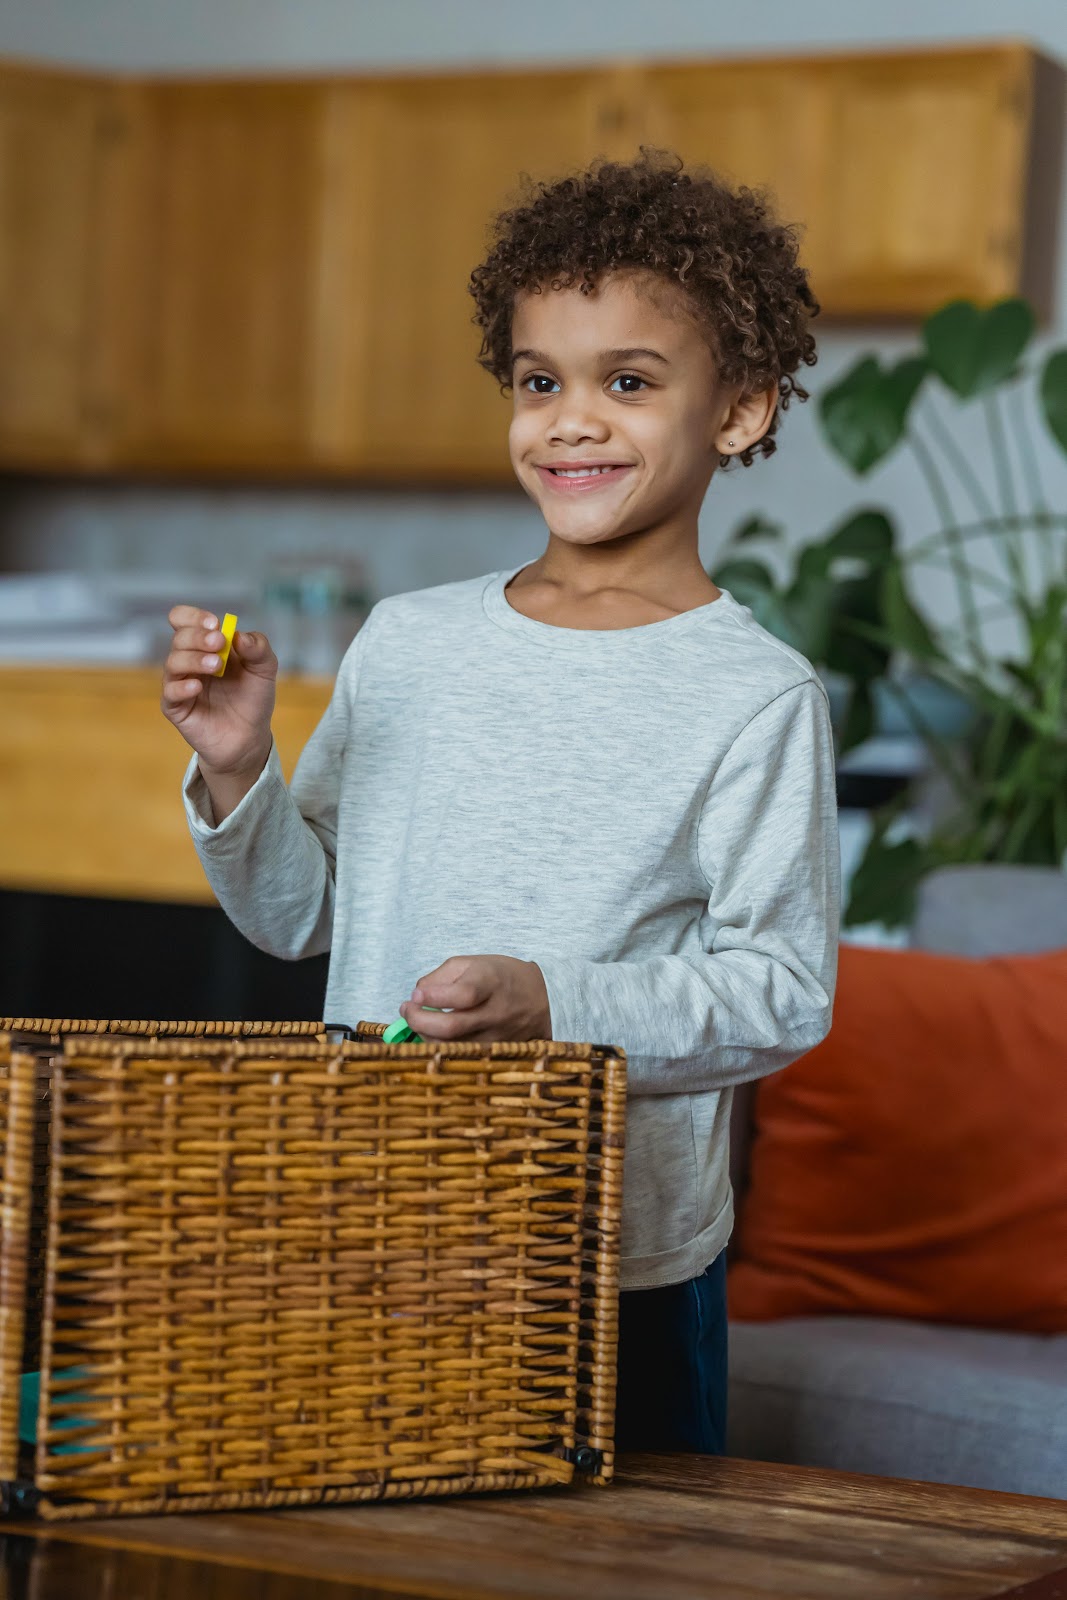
[(670, 1528)]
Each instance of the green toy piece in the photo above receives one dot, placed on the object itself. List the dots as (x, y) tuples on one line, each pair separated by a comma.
[(398, 1032), (29, 1399)]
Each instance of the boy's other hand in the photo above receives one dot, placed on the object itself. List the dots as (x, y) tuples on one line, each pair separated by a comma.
[(491, 998), (226, 720)]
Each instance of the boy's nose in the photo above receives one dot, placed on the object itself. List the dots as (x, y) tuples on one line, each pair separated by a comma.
[(577, 422)]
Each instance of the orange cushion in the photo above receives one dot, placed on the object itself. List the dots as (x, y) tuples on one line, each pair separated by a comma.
[(915, 1163)]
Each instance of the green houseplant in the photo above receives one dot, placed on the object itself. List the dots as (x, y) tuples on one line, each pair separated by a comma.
[(847, 602)]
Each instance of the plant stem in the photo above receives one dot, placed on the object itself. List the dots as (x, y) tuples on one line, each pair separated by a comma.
[(957, 557), (988, 580), (1028, 456), (998, 444), (1059, 827), (939, 748), (1024, 820), (993, 750), (980, 529), (964, 471)]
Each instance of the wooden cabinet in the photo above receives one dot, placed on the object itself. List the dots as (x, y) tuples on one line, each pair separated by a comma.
[(55, 132), (438, 159), (766, 124), (907, 172), (270, 278), (221, 357), (926, 181), (91, 798)]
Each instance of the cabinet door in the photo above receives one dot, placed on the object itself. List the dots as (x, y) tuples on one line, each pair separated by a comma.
[(926, 188), (221, 366), (50, 131), (437, 158), (764, 124), (79, 745)]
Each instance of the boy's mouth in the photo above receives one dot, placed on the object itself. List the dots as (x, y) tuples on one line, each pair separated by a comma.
[(581, 479)]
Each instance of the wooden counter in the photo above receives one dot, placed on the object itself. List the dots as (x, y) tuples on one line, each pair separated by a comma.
[(90, 781), (669, 1528)]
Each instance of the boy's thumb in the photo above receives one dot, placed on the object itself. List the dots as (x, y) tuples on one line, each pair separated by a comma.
[(253, 648)]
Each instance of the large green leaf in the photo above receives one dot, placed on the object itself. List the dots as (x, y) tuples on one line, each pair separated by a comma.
[(884, 884), (857, 605), (808, 614), (1047, 624), (1054, 396), (863, 416), (868, 535), (859, 717), (973, 350), (909, 629), (745, 578), (757, 527)]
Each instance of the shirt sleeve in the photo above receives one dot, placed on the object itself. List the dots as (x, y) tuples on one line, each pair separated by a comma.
[(272, 861), (760, 991)]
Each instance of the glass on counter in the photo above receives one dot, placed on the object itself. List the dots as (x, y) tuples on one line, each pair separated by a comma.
[(313, 609)]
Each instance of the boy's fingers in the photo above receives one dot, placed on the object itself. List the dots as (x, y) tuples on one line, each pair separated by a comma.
[(462, 981), (462, 994), (253, 648), (197, 639), (191, 617), (179, 692), (183, 663), (442, 1024)]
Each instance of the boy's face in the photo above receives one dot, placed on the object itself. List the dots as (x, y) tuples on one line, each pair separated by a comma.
[(621, 377)]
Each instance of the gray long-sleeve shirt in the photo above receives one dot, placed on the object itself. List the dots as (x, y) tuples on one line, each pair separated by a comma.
[(648, 813)]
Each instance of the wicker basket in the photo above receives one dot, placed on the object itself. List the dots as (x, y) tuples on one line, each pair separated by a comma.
[(261, 1265)]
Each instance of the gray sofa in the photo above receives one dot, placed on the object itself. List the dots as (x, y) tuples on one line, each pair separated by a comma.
[(909, 1399)]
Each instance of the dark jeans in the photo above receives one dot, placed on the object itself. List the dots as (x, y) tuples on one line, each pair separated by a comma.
[(672, 1366)]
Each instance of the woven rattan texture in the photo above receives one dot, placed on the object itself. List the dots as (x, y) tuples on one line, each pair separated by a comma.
[(17, 1076), (287, 1271), (59, 1028)]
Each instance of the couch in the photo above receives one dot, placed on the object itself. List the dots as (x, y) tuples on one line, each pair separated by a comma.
[(904, 1399)]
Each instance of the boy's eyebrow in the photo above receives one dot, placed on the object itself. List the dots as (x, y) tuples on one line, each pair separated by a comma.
[(634, 353)]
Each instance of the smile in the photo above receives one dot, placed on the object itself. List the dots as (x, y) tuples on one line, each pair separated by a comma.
[(571, 480)]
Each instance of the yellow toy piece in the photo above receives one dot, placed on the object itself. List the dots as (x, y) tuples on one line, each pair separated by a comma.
[(229, 628)]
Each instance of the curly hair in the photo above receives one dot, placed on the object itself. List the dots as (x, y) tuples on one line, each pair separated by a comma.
[(735, 262)]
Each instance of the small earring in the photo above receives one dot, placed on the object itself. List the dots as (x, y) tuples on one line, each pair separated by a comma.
[(730, 442)]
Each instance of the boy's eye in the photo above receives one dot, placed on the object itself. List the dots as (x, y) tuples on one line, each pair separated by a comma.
[(628, 377), (624, 377)]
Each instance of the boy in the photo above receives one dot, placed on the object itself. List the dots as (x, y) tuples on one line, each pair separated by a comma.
[(590, 798)]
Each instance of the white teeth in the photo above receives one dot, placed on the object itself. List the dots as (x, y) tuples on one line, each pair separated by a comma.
[(579, 472)]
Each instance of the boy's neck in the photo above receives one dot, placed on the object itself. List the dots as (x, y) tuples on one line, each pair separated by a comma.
[(598, 588)]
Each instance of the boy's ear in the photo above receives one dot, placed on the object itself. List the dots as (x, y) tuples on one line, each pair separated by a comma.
[(746, 421)]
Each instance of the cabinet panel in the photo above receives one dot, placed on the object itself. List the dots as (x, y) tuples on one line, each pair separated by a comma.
[(50, 127), (765, 124), (270, 277), (91, 799), (925, 192), (442, 156), (222, 347)]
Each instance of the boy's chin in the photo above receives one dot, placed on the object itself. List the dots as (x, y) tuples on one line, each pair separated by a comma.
[(583, 537)]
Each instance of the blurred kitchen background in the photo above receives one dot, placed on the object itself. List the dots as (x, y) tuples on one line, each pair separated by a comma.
[(237, 368)]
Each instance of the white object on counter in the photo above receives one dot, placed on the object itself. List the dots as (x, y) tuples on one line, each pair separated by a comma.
[(32, 600), (120, 644)]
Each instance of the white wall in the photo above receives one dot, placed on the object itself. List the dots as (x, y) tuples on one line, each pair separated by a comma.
[(413, 539), (332, 34)]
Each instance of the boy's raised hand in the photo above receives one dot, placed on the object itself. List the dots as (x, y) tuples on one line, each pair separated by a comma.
[(226, 720), (491, 998)]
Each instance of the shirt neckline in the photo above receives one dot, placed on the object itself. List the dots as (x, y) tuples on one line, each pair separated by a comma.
[(500, 610)]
